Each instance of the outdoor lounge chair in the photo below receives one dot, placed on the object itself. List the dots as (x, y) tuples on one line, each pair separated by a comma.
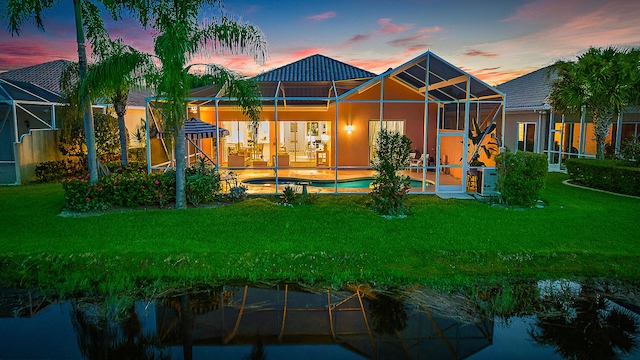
[(417, 163)]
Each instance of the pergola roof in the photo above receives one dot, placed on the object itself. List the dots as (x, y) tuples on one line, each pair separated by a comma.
[(444, 82)]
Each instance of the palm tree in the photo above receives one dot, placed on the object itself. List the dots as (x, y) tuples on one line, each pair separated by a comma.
[(121, 68), (179, 37), (87, 17), (602, 82)]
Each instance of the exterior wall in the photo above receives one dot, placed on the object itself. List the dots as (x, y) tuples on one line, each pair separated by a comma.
[(511, 127), (567, 142), (36, 147)]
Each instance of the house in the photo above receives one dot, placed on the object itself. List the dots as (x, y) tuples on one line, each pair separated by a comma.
[(533, 125), (30, 102), (320, 118)]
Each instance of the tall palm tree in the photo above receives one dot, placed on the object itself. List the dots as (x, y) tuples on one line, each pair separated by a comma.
[(179, 37), (87, 18), (120, 68), (602, 82)]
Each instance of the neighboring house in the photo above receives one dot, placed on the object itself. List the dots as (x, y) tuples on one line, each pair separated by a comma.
[(30, 100), (533, 125), (320, 118)]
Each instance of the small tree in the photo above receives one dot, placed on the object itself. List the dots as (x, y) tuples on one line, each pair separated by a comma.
[(72, 130), (521, 177), (390, 186), (120, 68)]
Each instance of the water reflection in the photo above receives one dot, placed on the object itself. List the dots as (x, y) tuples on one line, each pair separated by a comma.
[(586, 327), (362, 323), (560, 320)]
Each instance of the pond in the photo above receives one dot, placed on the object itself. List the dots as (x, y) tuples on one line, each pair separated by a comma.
[(537, 320)]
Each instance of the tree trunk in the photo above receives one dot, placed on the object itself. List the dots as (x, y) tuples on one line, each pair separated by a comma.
[(181, 197), (121, 110), (601, 123), (89, 133)]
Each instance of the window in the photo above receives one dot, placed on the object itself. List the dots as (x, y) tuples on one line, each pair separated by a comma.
[(527, 139)]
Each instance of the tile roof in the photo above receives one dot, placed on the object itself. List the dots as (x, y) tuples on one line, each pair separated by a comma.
[(314, 68), (530, 91), (137, 97), (46, 75)]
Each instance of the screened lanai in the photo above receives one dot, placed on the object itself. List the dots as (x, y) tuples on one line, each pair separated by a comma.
[(320, 118), (27, 118)]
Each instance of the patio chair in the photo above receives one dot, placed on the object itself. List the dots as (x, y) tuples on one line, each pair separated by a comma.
[(412, 156), (416, 163)]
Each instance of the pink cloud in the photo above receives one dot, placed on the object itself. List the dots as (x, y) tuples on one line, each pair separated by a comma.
[(322, 16), (27, 50), (542, 9), (408, 40), (386, 27), (417, 39), (302, 53), (476, 52), (358, 38), (494, 76), (375, 65), (429, 30)]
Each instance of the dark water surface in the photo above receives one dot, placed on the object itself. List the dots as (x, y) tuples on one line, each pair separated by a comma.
[(540, 320)]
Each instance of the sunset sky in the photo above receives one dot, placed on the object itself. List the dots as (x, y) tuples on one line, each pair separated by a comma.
[(493, 40)]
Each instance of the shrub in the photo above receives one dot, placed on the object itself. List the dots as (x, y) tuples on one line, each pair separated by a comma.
[(289, 195), (390, 186), (521, 177), (54, 170), (630, 150), (236, 191), (128, 189), (617, 176), (203, 184), (81, 195)]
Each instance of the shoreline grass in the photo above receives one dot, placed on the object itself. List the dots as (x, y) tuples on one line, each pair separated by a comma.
[(579, 233)]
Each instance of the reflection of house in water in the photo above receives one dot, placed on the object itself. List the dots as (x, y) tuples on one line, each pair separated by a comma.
[(361, 322)]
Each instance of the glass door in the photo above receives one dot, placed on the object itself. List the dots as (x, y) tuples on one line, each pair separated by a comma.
[(527, 139)]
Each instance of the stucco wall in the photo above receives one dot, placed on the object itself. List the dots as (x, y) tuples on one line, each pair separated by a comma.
[(38, 146)]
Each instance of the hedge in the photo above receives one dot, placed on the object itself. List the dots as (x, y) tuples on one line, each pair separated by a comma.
[(618, 176)]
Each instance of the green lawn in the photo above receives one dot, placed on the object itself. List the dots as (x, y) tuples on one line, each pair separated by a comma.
[(579, 233)]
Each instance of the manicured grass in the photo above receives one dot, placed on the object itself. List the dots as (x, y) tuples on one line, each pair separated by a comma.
[(336, 240)]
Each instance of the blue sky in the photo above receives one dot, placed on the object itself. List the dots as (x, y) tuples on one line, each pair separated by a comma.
[(493, 40)]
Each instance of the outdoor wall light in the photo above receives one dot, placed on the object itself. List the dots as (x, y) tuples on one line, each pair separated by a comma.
[(349, 129)]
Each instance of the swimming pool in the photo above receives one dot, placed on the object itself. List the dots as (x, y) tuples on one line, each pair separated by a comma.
[(357, 183)]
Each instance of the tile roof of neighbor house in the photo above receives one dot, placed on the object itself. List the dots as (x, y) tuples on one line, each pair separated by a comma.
[(46, 75), (530, 91), (314, 68)]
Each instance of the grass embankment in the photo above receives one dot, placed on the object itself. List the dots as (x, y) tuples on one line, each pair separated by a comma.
[(336, 240)]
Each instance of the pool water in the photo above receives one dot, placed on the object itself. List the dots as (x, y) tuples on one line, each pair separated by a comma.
[(358, 183)]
